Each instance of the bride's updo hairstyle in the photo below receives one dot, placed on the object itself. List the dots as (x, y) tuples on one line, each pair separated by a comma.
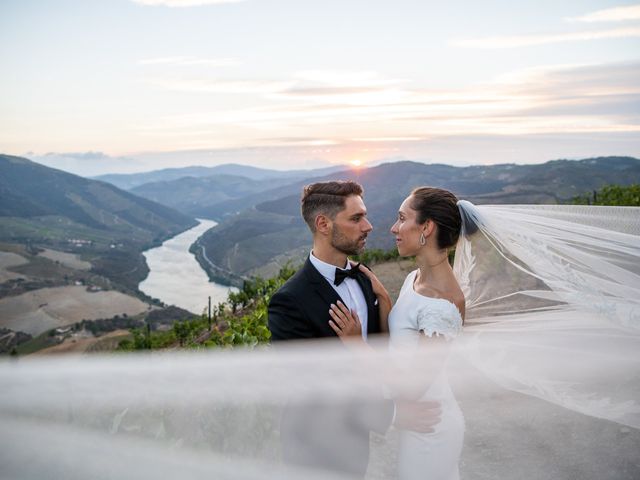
[(441, 206)]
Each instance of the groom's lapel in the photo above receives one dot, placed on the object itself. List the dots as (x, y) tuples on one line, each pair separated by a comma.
[(370, 297), (321, 286)]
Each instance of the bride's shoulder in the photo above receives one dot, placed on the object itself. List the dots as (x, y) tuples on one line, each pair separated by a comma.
[(408, 280), (457, 298), (411, 275), (439, 316), (454, 294)]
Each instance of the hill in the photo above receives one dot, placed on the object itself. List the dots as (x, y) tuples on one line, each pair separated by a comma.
[(130, 181), (206, 197), (45, 207), (271, 231)]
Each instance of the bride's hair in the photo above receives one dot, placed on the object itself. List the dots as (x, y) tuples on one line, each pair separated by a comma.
[(441, 206), (471, 218)]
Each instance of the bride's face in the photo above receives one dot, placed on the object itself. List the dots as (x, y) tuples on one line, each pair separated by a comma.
[(406, 230)]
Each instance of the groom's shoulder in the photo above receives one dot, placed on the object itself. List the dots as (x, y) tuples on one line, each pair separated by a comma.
[(298, 282)]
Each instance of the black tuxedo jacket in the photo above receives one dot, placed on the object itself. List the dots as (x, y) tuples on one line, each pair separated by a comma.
[(325, 434), (300, 308)]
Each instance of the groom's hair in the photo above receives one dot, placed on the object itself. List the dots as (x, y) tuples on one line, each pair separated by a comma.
[(326, 198)]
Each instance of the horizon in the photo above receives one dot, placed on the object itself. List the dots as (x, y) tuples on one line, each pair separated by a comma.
[(128, 86), (347, 166)]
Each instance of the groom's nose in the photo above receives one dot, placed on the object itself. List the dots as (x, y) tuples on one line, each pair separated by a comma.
[(366, 225)]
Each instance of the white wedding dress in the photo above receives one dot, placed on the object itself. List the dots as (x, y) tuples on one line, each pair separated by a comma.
[(431, 456)]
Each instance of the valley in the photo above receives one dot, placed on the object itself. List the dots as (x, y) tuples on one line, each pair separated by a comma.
[(71, 262)]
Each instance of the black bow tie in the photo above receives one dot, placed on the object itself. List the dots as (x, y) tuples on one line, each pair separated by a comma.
[(341, 274)]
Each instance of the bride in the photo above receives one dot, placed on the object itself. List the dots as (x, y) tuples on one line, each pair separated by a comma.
[(430, 310)]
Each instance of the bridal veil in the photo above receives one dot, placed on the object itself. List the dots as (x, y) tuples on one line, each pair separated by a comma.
[(547, 374)]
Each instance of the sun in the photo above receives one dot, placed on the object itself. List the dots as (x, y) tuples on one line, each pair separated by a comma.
[(356, 163)]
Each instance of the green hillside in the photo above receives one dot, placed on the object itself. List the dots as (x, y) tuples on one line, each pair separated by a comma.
[(41, 206)]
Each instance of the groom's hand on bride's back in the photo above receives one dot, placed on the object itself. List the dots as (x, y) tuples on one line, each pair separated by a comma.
[(417, 416)]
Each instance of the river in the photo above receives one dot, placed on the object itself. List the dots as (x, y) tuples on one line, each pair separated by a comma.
[(176, 278)]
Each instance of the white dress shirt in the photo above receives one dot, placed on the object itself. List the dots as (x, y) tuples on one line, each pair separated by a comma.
[(349, 290)]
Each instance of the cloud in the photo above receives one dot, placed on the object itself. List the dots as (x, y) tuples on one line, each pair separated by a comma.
[(183, 3), (327, 87), (543, 100), (454, 149), (203, 85), (333, 91), (543, 39), (87, 164), (90, 155), (297, 141), (388, 139), (345, 78), (616, 14), (576, 81), (314, 87), (191, 61)]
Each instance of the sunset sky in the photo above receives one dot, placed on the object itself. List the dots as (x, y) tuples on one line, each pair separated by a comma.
[(131, 85)]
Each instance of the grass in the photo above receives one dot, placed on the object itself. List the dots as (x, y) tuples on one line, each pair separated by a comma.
[(44, 340), (49, 229)]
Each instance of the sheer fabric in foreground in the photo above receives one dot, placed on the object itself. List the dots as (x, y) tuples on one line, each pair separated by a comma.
[(546, 374)]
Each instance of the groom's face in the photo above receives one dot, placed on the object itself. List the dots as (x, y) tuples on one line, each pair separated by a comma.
[(350, 227)]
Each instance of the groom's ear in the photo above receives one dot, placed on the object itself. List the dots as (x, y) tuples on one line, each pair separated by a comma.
[(323, 224)]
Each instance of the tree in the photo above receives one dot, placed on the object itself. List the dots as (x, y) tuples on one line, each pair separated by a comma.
[(234, 300), (181, 330), (613, 195)]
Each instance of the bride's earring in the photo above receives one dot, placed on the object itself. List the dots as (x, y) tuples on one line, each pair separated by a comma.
[(423, 240)]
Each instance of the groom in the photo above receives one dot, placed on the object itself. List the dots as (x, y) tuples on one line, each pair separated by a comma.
[(324, 436), (337, 218)]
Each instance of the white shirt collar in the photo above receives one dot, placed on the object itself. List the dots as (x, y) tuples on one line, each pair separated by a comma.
[(327, 270)]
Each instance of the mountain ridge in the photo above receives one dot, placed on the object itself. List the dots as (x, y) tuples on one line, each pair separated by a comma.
[(129, 181), (206, 196), (266, 230)]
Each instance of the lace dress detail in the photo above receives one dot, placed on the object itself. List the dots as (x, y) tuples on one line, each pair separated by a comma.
[(445, 321), (416, 313)]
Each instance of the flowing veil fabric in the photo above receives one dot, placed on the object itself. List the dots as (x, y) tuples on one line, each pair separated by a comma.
[(553, 296), (553, 302)]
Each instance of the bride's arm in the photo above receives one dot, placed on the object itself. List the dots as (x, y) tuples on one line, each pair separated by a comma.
[(384, 300)]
